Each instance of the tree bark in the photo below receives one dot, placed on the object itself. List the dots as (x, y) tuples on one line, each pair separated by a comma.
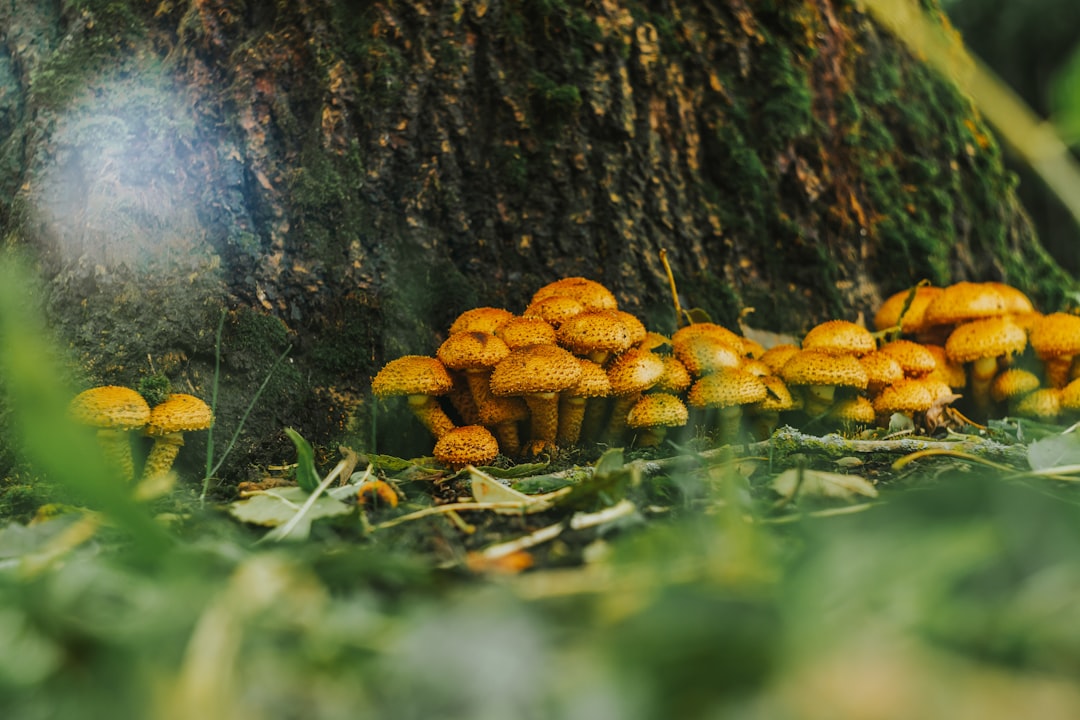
[(346, 178)]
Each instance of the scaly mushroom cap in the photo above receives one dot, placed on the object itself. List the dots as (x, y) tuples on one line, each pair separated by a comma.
[(963, 302), (881, 370), (472, 350), (814, 367), (1070, 396), (594, 332), (554, 310), (1013, 383), (1016, 302), (110, 406), (481, 319), (839, 337), (656, 342), (635, 371), (675, 378), (888, 315), (755, 367), (466, 445), (725, 388), (778, 399), (1043, 404), (1056, 335), (179, 412), (593, 381), (906, 396), (412, 375), (777, 355), (705, 353), (853, 411), (658, 410), (989, 337), (535, 369), (634, 326), (589, 293), (914, 358), (523, 331), (721, 333), (952, 373)]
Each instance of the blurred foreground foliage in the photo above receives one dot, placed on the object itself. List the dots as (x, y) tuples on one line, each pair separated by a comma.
[(950, 594)]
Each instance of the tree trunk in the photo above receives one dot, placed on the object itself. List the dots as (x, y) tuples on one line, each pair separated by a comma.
[(346, 178)]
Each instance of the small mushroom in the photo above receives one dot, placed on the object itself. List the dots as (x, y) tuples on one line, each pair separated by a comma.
[(653, 414), (115, 411), (421, 379), (631, 374), (1055, 338), (591, 294), (839, 337), (727, 391), (466, 445), (537, 373), (820, 375), (591, 388), (474, 353), (169, 420), (596, 335), (980, 344)]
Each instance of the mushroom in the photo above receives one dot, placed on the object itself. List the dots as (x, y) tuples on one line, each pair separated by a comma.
[(114, 411), (764, 415), (523, 331), (631, 374), (537, 373), (1056, 340), (820, 374), (839, 337), (726, 391), (963, 302), (474, 353), (554, 310), (979, 344), (481, 319), (852, 412), (907, 397), (592, 386), (597, 335), (466, 445), (706, 352), (169, 420), (915, 360), (502, 415), (589, 293), (913, 321), (653, 414), (777, 355), (949, 372), (1043, 404), (881, 370), (421, 379), (675, 378), (1010, 385)]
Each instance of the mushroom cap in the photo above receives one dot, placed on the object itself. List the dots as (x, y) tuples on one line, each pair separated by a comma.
[(412, 375), (656, 342), (554, 310), (110, 406), (675, 378), (687, 333), (814, 367), (888, 315), (589, 293), (594, 331), (914, 358), (965, 301), (635, 371), (839, 337), (777, 355), (535, 369), (466, 445), (881, 369), (707, 352), (658, 410), (727, 387), (634, 326), (855, 409), (1056, 335), (752, 348), (1070, 396), (939, 390), (593, 382), (1041, 404), (471, 350), (948, 371), (1016, 302), (756, 367), (1012, 383), (498, 410), (179, 412), (482, 319), (523, 331), (906, 396), (989, 337), (779, 398)]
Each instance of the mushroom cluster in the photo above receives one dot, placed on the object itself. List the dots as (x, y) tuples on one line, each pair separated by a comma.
[(573, 368)]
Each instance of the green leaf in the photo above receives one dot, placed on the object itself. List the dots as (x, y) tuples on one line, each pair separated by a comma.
[(1065, 99), (794, 482), (539, 484), (1054, 451), (306, 476), (271, 508), (518, 471)]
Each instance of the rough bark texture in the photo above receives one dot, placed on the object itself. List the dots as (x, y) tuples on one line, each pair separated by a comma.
[(347, 177)]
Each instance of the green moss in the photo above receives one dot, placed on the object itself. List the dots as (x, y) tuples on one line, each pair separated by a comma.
[(154, 388)]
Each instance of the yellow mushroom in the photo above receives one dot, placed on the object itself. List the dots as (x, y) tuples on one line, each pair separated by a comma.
[(114, 411), (169, 420)]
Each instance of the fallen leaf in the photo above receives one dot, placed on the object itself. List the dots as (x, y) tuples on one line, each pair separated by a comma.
[(794, 482)]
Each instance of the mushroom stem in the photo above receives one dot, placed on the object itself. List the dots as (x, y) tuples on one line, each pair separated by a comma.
[(479, 385), (116, 448), (728, 424), (431, 415), (620, 408), (571, 416), (509, 439), (818, 399), (981, 374), (162, 454), (763, 423), (1058, 370), (593, 422), (650, 436), (544, 420)]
